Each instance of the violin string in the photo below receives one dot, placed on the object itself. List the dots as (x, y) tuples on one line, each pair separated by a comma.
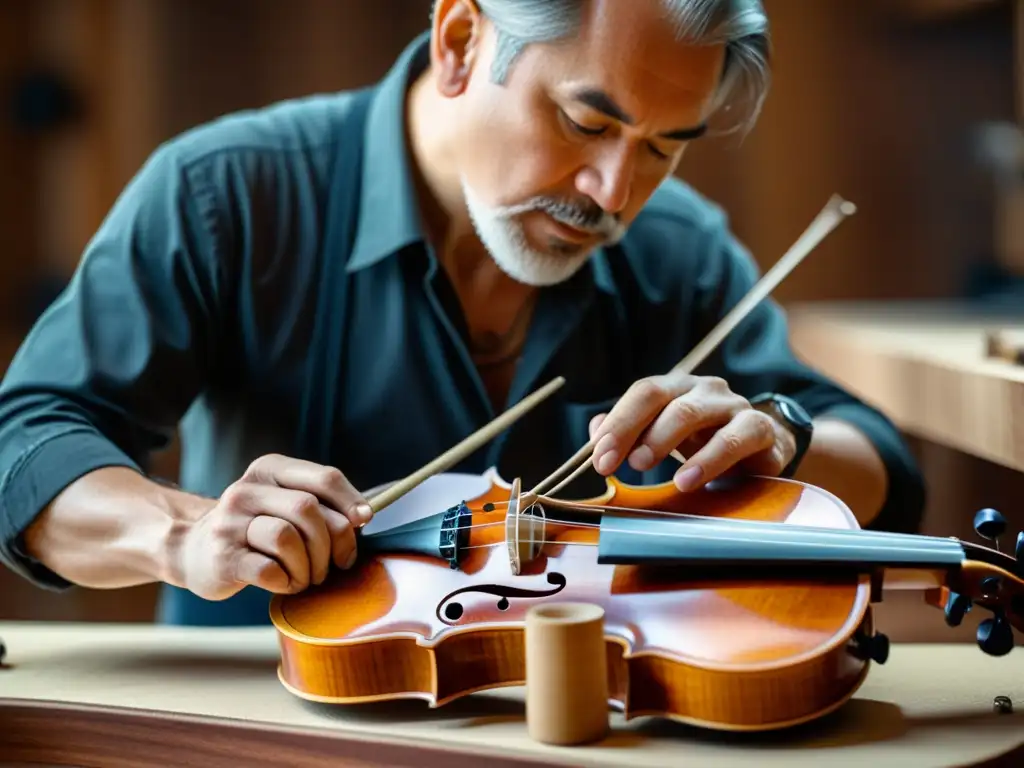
[(591, 508), (690, 537), (531, 541), (716, 534), (530, 518), (727, 530), (698, 537), (585, 507), (682, 516), (707, 522)]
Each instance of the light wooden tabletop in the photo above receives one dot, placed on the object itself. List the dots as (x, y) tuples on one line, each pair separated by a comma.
[(924, 364), (930, 705)]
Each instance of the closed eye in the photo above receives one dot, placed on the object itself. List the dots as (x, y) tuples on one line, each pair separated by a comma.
[(581, 128)]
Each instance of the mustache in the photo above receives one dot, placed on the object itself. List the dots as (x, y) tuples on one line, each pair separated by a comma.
[(588, 217)]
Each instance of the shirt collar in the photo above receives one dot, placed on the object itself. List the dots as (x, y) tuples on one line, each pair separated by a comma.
[(388, 211)]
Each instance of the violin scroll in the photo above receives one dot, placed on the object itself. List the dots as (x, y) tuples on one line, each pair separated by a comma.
[(993, 580)]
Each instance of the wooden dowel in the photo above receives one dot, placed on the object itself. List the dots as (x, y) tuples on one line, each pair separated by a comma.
[(566, 673), (835, 210), (458, 452)]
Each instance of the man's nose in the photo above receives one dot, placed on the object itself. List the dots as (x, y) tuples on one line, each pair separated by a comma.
[(608, 180)]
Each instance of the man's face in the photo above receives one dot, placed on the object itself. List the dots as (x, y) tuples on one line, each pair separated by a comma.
[(560, 158)]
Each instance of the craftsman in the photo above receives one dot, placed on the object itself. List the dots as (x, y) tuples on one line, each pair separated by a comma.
[(325, 294)]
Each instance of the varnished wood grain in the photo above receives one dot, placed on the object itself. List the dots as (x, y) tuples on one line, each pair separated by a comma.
[(740, 655)]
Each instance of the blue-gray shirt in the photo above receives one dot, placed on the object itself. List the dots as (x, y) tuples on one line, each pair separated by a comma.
[(264, 285)]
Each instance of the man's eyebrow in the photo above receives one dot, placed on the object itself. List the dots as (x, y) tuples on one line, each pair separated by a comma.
[(600, 101)]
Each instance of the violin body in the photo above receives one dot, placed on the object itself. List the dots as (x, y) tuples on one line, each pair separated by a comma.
[(721, 653)]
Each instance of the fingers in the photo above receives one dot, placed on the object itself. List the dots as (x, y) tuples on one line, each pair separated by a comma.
[(629, 417), (749, 434), (658, 414), (278, 540), (289, 526), (279, 527), (696, 441), (343, 538), (260, 571), (701, 410), (328, 484)]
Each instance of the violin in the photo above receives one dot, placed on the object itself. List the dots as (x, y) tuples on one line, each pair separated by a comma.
[(746, 605)]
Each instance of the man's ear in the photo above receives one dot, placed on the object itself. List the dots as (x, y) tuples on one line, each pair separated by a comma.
[(455, 44)]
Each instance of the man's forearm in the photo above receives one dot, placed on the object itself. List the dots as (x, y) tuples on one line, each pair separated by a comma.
[(114, 528), (843, 461)]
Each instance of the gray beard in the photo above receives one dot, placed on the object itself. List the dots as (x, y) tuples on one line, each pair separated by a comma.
[(506, 242)]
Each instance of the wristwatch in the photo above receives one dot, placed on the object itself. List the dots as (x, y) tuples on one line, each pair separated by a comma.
[(794, 416)]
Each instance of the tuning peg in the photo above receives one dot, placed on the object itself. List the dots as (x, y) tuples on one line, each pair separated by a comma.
[(989, 524), (995, 636), (990, 586), (956, 606)]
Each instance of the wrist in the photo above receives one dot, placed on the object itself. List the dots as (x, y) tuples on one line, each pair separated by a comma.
[(794, 427), (112, 528), (180, 511)]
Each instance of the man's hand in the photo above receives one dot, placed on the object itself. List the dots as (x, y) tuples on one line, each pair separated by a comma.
[(278, 528), (715, 429)]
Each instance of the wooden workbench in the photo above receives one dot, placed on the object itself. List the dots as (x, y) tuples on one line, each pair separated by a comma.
[(139, 695), (925, 366)]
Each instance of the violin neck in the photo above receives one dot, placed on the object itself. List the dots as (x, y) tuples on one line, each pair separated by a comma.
[(712, 543)]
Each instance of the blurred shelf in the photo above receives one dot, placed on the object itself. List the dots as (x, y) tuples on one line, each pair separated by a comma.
[(925, 365)]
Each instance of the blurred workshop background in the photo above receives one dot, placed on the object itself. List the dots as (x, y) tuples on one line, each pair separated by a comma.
[(908, 108)]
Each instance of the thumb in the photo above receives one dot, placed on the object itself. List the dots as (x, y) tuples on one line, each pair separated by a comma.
[(595, 423)]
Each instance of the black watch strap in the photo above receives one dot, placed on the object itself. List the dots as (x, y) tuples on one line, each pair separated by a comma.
[(794, 416)]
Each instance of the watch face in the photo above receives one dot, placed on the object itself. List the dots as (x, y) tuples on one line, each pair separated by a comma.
[(793, 414)]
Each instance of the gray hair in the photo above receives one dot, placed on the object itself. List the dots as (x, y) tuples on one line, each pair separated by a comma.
[(741, 25)]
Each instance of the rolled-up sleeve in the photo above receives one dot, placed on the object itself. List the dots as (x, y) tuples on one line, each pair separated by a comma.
[(757, 357), (109, 368)]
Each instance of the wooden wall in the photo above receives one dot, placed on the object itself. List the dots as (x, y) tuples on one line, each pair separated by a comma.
[(17, 181), (875, 100)]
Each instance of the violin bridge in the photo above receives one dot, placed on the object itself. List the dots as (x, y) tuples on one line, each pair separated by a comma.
[(524, 530)]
